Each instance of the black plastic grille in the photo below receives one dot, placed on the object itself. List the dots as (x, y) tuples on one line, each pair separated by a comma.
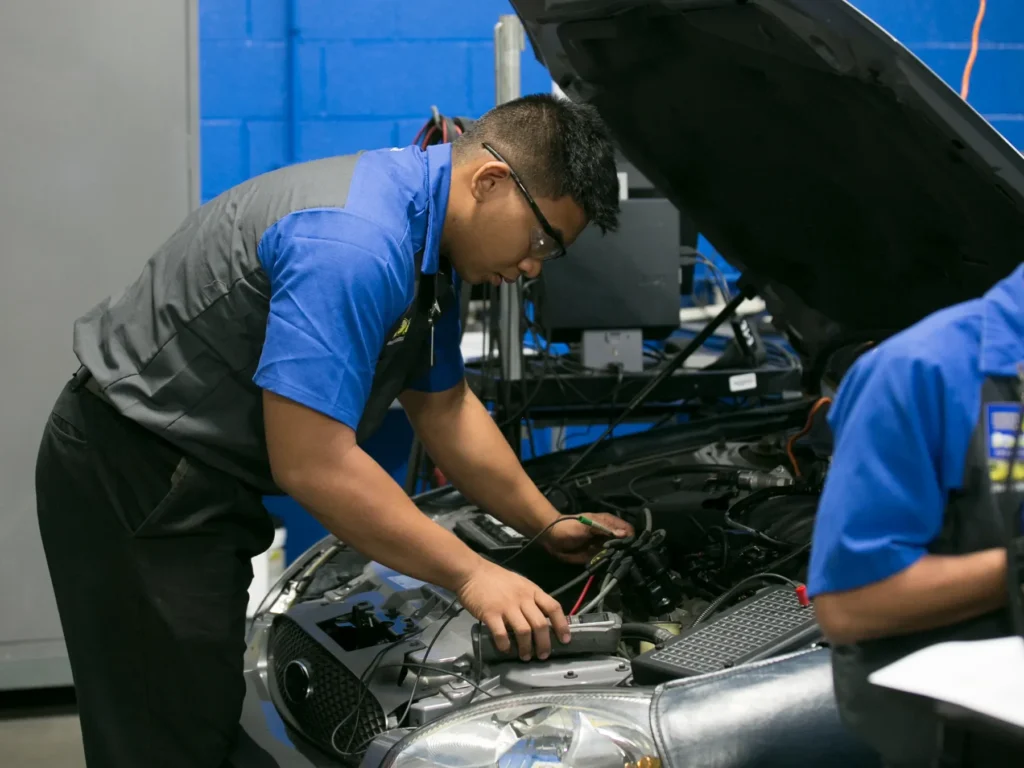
[(758, 623), (335, 693)]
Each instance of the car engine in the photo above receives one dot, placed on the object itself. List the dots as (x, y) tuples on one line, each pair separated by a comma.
[(357, 649)]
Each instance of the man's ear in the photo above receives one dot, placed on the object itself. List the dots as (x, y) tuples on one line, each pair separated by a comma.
[(486, 180)]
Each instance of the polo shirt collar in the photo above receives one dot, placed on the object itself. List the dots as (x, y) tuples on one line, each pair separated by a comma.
[(438, 159), (1002, 331)]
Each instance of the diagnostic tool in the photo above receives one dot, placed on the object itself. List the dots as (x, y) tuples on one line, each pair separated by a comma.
[(591, 633), (489, 535), (771, 622)]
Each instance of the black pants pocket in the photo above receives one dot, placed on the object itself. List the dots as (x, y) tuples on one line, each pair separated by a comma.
[(149, 556)]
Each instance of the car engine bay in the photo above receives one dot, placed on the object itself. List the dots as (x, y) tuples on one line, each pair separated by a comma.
[(713, 578)]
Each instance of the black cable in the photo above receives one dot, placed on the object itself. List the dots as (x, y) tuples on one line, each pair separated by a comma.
[(615, 390), (675, 363), (364, 689), (439, 670), (672, 471), (595, 564), (754, 532), (532, 541), (742, 586), (756, 497), (716, 274), (725, 548), (760, 496), (426, 654), (662, 422), (529, 437), (776, 564)]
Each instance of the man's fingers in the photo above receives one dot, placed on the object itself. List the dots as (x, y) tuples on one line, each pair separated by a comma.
[(524, 632), (553, 610), (541, 630), (496, 624), (617, 525)]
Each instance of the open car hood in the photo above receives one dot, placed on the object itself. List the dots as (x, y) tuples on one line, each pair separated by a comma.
[(853, 188)]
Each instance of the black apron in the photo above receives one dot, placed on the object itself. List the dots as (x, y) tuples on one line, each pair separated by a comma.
[(409, 346), (905, 730)]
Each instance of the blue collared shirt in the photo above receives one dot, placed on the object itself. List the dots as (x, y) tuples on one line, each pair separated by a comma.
[(340, 278), (902, 421)]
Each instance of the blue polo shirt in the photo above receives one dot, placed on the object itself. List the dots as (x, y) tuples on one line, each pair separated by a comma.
[(902, 421), (340, 278)]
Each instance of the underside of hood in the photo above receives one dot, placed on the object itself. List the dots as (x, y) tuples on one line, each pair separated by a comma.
[(844, 178)]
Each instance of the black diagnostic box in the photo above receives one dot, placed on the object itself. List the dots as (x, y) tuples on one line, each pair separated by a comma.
[(771, 622)]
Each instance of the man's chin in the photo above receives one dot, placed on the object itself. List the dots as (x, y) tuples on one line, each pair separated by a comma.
[(480, 278), (494, 280)]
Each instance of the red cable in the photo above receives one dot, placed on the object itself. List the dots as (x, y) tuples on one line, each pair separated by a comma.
[(426, 139), (583, 594), (965, 85), (419, 134), (806, 430)]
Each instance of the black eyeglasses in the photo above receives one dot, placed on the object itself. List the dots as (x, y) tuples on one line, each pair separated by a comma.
[(546, 244)]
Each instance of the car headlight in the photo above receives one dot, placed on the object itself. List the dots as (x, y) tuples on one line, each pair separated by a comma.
[(606, 729)]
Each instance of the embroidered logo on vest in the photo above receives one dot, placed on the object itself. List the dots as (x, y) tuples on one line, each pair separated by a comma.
[(1001, 424), (403, 329)]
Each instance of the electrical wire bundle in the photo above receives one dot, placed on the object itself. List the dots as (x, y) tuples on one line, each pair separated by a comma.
[(440, 129), (352, 751)]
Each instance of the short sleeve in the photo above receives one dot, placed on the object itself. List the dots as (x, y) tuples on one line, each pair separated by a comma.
[(884, 497), (335, 290), (449, 368)]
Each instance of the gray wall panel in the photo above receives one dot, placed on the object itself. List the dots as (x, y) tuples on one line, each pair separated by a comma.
[(98, 164)]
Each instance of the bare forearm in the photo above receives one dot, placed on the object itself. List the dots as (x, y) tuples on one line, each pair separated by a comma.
[(363, 506), (938, 590), (469, 448)]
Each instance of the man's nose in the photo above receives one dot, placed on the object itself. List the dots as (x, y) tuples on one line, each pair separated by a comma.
[(530, 268)]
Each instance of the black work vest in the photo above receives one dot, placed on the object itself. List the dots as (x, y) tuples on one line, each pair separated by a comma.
[(905, 729), (409, 346)]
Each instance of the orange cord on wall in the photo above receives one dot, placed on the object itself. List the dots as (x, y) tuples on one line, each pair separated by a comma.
[(807, 428), (965, 85)]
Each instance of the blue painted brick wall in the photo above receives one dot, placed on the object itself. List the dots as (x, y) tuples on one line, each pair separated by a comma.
[(290, 80)]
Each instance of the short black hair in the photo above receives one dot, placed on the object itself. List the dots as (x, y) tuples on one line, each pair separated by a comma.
[(557, 147)]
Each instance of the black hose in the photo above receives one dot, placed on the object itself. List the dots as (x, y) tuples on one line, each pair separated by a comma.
[(752, 499), (648, 632), (757, 497)]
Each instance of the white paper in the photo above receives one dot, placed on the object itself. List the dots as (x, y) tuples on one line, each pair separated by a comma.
[(984, 676)]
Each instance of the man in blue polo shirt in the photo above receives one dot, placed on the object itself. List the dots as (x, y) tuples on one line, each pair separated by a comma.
[(908, 543), (263, 342)]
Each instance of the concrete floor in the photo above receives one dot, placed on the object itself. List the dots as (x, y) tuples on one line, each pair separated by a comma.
[(40, 730)]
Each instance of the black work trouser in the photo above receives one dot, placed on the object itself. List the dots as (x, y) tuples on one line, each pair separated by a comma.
[(149, 554)]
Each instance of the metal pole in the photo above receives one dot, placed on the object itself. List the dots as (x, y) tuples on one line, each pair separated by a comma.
[(509, 42)]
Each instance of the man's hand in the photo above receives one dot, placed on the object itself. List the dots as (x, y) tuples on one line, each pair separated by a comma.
[(574, 542), (502, 599)]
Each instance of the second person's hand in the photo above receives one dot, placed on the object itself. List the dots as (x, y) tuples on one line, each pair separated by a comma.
[(502, 599)]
